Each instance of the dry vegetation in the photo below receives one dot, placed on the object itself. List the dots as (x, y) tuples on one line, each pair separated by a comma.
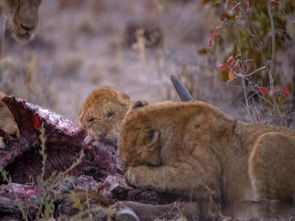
[(82, 45), (133, 46)]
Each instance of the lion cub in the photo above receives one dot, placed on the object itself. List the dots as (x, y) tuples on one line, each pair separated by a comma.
[(193, 148), (7, 122), (102, 113)]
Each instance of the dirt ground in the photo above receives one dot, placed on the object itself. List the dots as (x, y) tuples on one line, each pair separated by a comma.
[(80, 46)]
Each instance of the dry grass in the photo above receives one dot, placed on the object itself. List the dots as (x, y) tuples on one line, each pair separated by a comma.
[(80, 46), (22, 80), (69, 66)]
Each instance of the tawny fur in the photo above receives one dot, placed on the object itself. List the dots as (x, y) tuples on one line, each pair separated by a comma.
[(102, 113), (7, 122), (193, 147), (22, 17)]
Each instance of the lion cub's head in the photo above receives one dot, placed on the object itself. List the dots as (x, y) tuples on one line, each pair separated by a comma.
[(23, 17), (166, 131), (140, 138), (102, 113)]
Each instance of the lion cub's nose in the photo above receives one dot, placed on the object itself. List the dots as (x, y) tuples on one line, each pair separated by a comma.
[(27, 27), (102, 135)]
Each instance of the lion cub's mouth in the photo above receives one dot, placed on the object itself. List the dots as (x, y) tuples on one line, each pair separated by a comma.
[(20, 33), (110, 141), (90, 139)]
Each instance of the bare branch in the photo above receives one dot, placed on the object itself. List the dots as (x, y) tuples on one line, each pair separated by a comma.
[(273, 47)]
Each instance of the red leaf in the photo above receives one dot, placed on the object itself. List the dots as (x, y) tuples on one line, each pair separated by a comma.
[(284, 90), (231, 75), (229, 3), (222, 67), (211, 40), (263, 91), (237, 9), (273, 3), (213, 35), (230, 61)]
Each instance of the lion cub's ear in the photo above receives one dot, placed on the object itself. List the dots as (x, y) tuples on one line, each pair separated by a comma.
[(153, 138), (139, 104), (123, 98)]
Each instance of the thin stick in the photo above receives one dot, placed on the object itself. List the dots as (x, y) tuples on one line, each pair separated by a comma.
[(250, 74), (246, 96), (273, 47)]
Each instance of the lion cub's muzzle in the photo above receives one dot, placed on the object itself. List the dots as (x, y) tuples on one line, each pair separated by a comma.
[(108, 140), (22, 31)]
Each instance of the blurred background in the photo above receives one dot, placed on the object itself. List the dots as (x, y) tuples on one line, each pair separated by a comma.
[(132, 45)]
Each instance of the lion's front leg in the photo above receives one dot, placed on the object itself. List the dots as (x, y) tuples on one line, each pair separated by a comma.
[(179, 180), (160, 178), (167, 178)]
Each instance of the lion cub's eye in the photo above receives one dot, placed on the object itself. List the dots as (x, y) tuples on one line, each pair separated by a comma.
[(90, 120), (151, 133), (111, 114)]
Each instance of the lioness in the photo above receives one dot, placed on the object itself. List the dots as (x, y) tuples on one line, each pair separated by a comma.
[(7, 122), (193, 147), (22, 17), (102, 113)]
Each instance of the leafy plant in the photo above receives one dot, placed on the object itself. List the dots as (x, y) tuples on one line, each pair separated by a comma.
[(245, 42)]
